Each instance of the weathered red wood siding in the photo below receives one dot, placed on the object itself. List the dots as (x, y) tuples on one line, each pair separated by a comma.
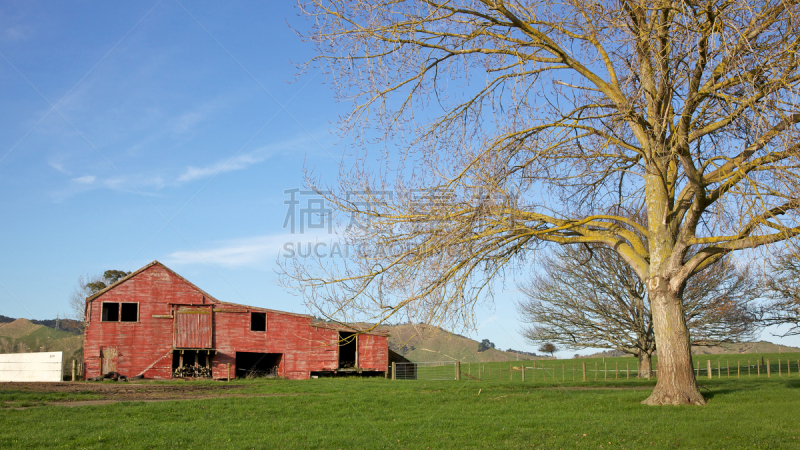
[(304, 348), (141, 343), (373, 352), (224, 327), (193, 327)]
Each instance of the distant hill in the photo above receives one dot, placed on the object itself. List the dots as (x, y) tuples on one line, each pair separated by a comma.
[(70, 325), (421, 343), (745, 347), (24, 336)]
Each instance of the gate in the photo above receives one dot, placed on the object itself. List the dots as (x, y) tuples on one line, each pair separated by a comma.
[(437, 370), (193, 327)]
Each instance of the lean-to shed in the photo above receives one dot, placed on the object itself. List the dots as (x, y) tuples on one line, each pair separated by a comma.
[(155, 323)]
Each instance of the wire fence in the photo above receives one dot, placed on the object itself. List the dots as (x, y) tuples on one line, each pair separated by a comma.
[(543, 371), (437, 370)]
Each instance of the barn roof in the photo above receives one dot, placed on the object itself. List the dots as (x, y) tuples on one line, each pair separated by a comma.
[(216, 301), (137, 272), (206, 294)]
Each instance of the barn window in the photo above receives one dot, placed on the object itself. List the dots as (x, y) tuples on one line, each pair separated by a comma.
[(129, 312), (120, 312), (110, 312), (258, 321)]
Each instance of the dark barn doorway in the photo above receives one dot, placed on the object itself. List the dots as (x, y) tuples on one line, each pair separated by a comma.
[(251, 364), (348, 350)]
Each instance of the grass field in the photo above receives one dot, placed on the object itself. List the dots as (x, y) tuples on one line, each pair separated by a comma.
[(376, 413)]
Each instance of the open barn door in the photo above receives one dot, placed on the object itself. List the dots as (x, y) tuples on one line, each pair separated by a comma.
[(193, 327)]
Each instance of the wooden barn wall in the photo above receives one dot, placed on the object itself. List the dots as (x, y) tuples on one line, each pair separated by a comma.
[(373, 352), (304, 347), (141, 343)]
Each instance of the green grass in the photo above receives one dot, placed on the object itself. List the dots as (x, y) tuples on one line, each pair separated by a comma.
[(378, 413)]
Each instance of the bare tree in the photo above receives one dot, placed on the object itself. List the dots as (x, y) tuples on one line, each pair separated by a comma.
[(88, 286), (783, 288), (586, 297), (537, 122)]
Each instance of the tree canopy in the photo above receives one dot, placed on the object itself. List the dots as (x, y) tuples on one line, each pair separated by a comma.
[(534, 122)]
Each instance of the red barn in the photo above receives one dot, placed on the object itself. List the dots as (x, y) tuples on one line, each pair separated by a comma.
[(154, 322)]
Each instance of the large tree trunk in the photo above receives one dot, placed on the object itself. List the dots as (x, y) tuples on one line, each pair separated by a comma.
[(676, 382), (645, 365)]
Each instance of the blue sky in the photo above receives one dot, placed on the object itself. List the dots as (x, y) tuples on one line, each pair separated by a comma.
[(161, 130)]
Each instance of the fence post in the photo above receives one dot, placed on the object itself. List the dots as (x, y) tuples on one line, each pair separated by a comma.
[(779, 368), (563, 373), (627, 370), (616, 370), (605, 369), (738, 369), (584, 370), (768, 370), (758, 369), (719, 371), (394, 370), (73, 371), (458, 370), (708, 368), (748, 368), (523, 372)]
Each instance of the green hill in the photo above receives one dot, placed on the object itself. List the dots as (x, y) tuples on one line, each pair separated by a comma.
[(421, 343), (23, 336)]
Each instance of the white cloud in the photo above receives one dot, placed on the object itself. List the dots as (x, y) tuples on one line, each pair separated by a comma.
[(238, 162), (256, 251), (252, 251), (88, 179), (58, 164), (244, 160)]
